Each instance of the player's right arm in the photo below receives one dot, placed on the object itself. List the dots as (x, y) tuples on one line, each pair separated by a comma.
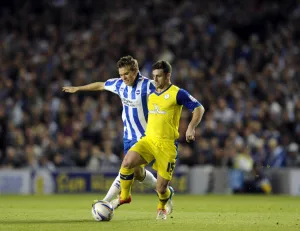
[(97, 86)]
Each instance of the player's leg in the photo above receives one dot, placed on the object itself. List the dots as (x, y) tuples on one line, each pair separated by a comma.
[(139, 154), (164, 194), (130, 161), (115, 188), (140, 174), (165, 165), (145, 177)]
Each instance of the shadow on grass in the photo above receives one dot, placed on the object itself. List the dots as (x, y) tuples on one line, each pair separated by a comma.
[(24, 222)]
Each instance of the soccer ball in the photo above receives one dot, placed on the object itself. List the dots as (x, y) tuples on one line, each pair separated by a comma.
[(102, 211)]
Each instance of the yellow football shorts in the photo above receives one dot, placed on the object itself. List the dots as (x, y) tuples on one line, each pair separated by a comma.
[(163, 151)]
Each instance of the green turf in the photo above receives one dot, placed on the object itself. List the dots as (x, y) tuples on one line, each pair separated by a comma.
[(222, 213)]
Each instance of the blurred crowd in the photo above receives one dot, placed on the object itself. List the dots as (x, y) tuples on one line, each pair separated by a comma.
[(240, 59)]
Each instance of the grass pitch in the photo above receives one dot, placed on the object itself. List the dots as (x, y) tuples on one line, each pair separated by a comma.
[(211, 213)]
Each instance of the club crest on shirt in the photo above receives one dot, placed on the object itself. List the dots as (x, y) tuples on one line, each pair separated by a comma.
[(121, 89), (167, 96), (138, 92)]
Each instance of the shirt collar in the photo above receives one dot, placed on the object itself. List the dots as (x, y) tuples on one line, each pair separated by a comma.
[(138, 76)]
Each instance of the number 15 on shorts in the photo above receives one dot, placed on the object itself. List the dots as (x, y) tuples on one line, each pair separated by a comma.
[(170, 167)]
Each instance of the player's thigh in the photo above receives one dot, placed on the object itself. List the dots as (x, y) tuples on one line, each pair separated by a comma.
[(166, 160), (133, 159), (145, 148)]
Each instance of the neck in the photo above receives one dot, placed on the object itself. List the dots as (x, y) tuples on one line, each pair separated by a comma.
[(136, 77), (163, 88)]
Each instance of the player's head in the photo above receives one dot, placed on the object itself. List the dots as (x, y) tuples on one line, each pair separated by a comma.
[(128, 69), (161, 73)]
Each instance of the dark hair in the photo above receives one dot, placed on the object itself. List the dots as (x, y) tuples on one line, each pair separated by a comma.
[(165, 65), (128, 61)]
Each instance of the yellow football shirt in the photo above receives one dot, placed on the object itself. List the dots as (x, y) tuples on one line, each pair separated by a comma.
[(164, 111)]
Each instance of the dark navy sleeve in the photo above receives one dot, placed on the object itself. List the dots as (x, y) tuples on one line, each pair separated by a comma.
[(185, 99)]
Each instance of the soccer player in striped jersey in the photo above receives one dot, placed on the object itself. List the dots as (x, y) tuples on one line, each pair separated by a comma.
[(160, 140), (133, 90)]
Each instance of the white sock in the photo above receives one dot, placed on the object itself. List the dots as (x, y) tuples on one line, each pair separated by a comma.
[(150, 180), (114, 189)]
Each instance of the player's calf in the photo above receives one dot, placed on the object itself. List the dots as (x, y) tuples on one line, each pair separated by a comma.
[(126, 181), (164, 193), (163, 197)]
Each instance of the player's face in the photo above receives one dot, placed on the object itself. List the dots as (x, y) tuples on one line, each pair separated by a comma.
[(127, 75), (160, 78)]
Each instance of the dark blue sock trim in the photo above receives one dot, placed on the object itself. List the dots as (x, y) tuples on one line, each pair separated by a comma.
[(127, 177), (163, 200)]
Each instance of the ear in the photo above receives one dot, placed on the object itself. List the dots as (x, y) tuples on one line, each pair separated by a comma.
[(168, 76)]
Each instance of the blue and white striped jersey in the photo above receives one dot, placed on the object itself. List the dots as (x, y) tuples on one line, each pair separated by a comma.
[(134, 99)]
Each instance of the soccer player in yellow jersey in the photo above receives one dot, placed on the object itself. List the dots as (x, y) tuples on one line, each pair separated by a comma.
[(160, 140)]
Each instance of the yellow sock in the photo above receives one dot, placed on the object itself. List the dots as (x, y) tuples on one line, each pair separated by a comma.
[(163, 199), (126, 181), (266, 187)]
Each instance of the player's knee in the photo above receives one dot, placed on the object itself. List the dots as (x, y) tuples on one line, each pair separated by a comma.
[(127, 162)]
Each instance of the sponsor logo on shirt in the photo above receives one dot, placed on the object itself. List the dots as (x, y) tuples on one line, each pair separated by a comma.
[(156, 110), (130, 103)]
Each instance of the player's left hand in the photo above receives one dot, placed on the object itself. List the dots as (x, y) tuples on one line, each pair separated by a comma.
[(190, 134)]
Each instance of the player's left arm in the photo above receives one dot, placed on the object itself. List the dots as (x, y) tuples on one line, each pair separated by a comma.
[(196, 119), (185, 99)]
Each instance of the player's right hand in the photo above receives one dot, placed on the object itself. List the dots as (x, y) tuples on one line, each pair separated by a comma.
[(70, 89)]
